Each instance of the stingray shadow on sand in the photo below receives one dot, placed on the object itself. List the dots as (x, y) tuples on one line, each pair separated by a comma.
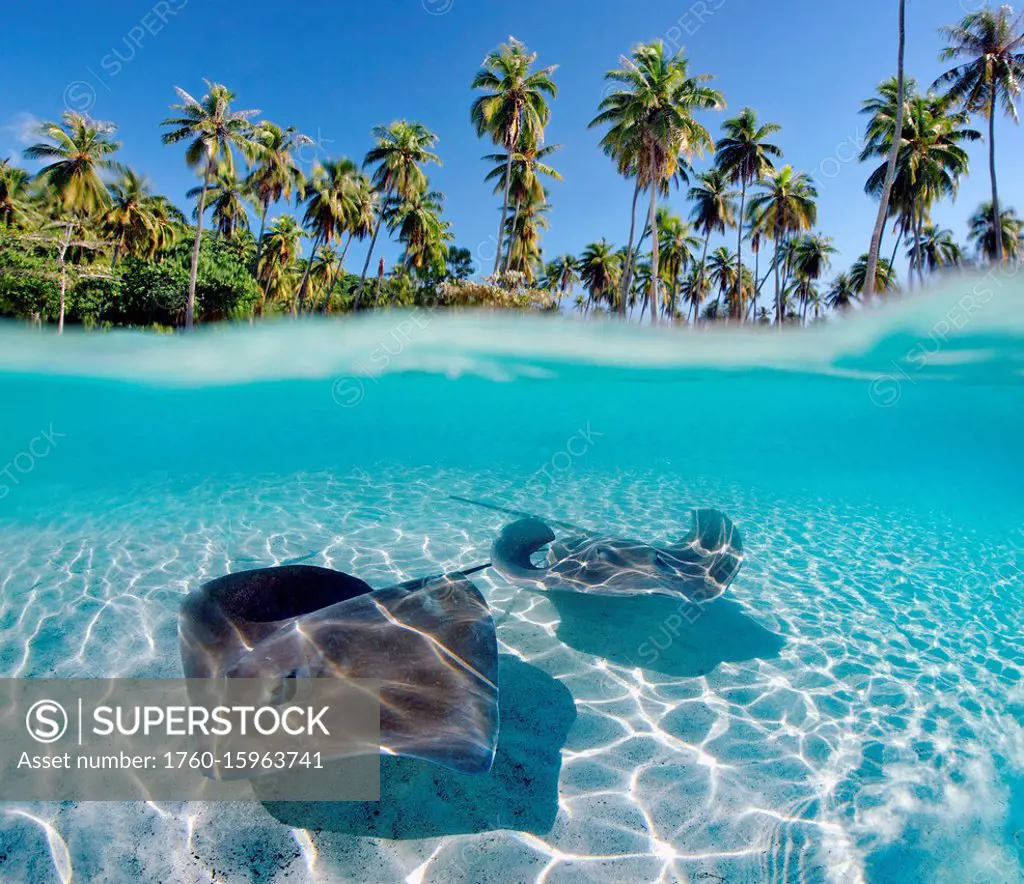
[(421, 800), (663, 635)]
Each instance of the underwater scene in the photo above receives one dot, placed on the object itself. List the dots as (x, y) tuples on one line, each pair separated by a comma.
[(755, 595)]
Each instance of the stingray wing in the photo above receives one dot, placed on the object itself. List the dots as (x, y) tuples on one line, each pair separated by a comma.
[(713, 548), (223, 619), (432, 646)]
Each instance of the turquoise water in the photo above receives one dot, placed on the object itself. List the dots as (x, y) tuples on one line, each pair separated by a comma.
[(850, 711)]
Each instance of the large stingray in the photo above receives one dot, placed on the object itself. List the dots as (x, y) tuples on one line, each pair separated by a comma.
[(430, 642), (699, 567)]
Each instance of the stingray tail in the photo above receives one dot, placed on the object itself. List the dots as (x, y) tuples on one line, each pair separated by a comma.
[(420, 582), (518, 513)]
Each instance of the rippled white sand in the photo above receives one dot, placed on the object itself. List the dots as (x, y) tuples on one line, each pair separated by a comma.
[(852, 710)]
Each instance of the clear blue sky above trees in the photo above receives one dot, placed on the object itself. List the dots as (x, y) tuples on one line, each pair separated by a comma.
[(334, 70)]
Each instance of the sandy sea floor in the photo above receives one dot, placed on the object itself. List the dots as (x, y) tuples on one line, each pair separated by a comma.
[(847, 712)]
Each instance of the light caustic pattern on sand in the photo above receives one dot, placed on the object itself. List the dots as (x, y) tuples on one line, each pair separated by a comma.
[(848, 711)]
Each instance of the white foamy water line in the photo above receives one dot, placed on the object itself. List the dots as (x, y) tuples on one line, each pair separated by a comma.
[(858, 691), (503, 347)]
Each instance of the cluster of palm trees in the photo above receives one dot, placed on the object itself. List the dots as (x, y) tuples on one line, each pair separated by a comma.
[(652, 138), (90, 212), (341, 203)]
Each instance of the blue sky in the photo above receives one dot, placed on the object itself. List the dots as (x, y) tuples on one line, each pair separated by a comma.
[(335, 70)]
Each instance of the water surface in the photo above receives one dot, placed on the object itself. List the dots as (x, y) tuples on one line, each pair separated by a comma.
[(850, 711)]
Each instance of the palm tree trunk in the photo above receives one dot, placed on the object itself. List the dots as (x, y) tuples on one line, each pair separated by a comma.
[(896, 248), (259, 242), (344, 251), (504, 207), (752, 310), (64, 275), (997, 218), (921, 251), (305, 276), (778, 287), (787, 265), (193, 274), (373, 245), (739, 252), (511, 236), (337, 276), (700, 276), (627, 273), (325, 308), (913, 249), (655, 270), (890, 172)]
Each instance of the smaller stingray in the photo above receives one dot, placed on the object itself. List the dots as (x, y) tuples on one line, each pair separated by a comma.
[(699, 567), (430, 642)]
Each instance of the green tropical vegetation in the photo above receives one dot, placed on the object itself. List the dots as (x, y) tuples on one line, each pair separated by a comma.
[(86, 240)]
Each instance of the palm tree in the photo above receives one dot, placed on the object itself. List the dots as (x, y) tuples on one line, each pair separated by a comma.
[(930, 159), (744, 156), (842, 293), (227, 196), (138, 221), (562, 275), (329, 206), (276, 175), (937, 249), (695, 290), (786, 206), (711, 311), (992, 41), (213, 131), (756, 234), (361, 223), (812, 258), (422, 231), (79, 150), (885, 276), (714, 207), (651, 119), (15, 204), (513, 110), (401, 149), (323, 274), (625, 154), (599, 267), (983, 235), (723, 275), (524, 231), (640, 290), (361, 208), (675, 252), (526, 187), (280, 249), (625, 146), (883, 206)]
